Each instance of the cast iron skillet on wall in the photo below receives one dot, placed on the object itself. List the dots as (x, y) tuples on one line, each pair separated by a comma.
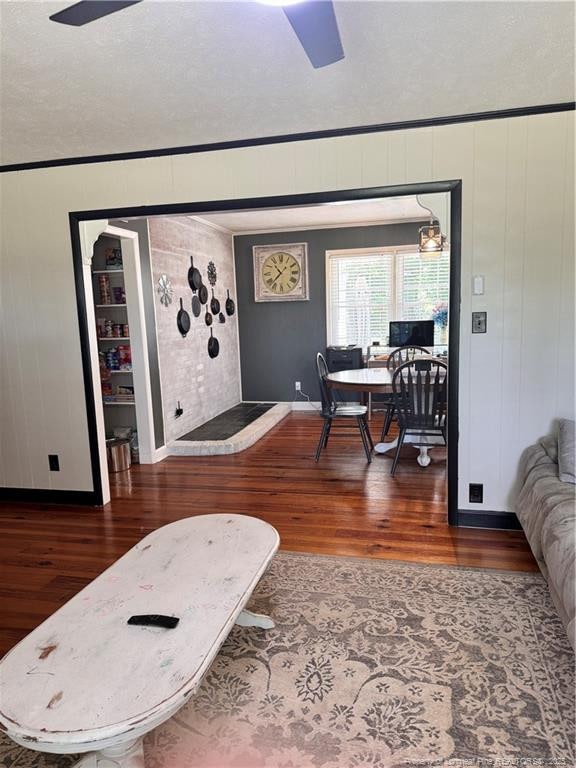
[(183, 320), (194, 276), (203, 293), (208, 317), (230, 306), (214, 304), (213, 345), (196, 305)]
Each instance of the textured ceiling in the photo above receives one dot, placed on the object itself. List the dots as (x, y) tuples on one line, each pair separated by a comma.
[(162, 74), (384, 211)]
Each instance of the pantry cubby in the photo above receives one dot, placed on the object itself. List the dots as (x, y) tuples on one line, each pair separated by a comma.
[(113, 336)]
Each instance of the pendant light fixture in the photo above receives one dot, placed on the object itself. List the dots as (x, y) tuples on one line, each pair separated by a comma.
[(430, 237)]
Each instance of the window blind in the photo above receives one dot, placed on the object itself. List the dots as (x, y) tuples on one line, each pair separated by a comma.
[(423, 281), (360, 297), (367, 289)]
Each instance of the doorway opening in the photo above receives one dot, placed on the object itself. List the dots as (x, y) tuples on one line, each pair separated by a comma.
[(84, 222)]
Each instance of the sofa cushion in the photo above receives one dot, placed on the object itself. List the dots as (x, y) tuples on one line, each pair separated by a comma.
[(539, 496), (550, 445), (566, 451), (533, 456), (559, 550)]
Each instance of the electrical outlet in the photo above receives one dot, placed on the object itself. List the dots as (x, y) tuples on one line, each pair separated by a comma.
[(298, 386), (476, 493), (54, 462)]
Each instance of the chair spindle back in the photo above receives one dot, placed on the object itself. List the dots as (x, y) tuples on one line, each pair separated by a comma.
[(326, 395), (420, 394), (403, 355)]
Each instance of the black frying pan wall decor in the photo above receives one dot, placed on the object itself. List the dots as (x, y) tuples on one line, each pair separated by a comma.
[(203, 293), (194, 276), (230, 306), (183, 320), (196, 305), (208, 318), (214, 304), (222, 317), (213, 345)]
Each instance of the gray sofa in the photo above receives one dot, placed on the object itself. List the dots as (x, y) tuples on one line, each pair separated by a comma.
[(546, 508)]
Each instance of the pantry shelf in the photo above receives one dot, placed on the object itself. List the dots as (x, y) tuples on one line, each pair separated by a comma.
[(107, 271), (109, 306), (114, 338)]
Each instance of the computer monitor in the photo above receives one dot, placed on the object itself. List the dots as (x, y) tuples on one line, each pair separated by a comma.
[(403, 333)]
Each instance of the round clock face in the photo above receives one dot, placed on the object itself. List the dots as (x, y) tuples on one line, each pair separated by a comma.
[(280, 273)]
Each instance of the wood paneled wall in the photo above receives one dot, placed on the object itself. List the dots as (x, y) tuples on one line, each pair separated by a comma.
[(518, 231)]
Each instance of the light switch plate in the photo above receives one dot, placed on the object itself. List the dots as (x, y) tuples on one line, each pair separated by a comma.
[(478, 322), (478, 285)]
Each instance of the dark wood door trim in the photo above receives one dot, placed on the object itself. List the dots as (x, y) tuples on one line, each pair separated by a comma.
[(453, 187)]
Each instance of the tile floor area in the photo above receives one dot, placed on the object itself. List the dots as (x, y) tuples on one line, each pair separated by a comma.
[(228, 423)]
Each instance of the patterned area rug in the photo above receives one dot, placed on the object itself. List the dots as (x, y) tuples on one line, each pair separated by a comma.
[(376, 664)]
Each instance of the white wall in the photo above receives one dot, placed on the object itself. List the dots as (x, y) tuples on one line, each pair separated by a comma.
[(204, 387), (518, 231)]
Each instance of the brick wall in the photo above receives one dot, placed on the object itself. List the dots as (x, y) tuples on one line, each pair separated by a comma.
[(205, 387)]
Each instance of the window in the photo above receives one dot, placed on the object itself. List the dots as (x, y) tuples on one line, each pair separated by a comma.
[(365, 289), (423, 279)]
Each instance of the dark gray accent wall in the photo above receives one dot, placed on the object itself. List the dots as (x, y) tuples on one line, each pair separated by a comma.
[(279, 340)]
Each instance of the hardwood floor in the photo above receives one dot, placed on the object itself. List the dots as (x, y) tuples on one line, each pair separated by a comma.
[(340, 506)]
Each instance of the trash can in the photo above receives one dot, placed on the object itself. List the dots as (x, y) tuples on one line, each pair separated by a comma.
[(118, 452)]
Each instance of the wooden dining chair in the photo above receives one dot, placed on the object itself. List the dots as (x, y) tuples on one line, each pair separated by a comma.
[(420, 390), (331, 410), (396, 358)]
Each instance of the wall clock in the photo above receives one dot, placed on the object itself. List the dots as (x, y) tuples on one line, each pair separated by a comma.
[(281, 272)]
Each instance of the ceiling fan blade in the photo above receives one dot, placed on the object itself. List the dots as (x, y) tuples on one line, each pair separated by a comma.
[(317, 29), (89, 10)]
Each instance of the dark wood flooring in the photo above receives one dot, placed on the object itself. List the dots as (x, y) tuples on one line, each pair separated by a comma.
[(340, 506)]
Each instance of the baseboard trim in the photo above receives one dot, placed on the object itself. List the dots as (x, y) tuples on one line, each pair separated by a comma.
[(305, 405), (498, 521), (158, 454), (49, 496)]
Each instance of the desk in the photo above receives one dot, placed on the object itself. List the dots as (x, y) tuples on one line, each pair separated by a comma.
[(377, 380)]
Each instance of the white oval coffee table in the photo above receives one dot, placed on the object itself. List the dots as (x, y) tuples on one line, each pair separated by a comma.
[(86, 681)]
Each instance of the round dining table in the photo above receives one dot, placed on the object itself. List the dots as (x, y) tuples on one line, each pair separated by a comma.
[(378, 381)]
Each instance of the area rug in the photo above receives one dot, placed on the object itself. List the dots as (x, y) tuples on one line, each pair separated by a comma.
[(378, 664)]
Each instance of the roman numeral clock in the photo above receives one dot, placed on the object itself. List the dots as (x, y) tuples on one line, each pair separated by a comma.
[(281, 272)]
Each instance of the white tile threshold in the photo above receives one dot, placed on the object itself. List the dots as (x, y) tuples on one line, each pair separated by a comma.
[(236, 443)]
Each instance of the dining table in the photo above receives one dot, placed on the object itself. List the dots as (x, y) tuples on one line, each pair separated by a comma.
[(379, 381)]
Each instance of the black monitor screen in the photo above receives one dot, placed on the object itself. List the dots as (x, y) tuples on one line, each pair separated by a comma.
[(406, 332)]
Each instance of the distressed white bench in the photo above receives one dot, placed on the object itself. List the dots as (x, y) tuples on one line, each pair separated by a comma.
[(85, 681)]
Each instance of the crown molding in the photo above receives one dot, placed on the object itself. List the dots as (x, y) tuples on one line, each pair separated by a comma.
[(428, 122)]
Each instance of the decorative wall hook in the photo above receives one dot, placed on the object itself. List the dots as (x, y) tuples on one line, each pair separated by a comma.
[(165, 290)]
